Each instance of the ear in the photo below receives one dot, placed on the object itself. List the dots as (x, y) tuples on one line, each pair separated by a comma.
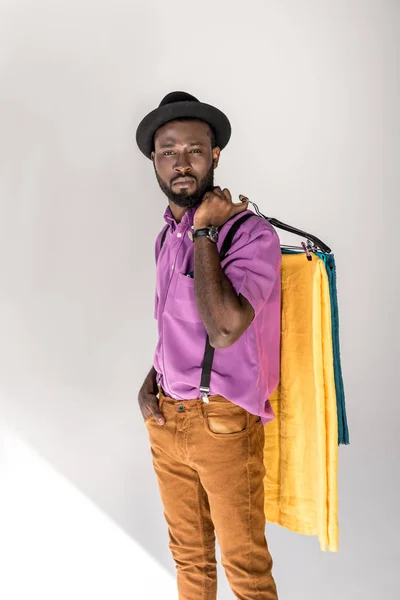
[(152, 156), (216, 154)]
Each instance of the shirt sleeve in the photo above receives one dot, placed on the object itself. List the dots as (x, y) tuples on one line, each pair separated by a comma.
[(156, 304), (157, 247), (253, 264), (157, 250)]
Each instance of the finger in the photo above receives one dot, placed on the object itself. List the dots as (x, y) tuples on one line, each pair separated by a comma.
[(158, 416), (218, 191), (240, 207), (227, 194), (155, 410)]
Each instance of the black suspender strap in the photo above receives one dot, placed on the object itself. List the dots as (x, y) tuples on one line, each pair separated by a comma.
[(209, 350), (227, 243), (163, 236), (206, 370)]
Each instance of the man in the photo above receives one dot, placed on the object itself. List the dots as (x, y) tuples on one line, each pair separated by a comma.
[(208, 448)]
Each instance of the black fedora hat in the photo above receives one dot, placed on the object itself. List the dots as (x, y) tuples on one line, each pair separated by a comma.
[(176, 105)]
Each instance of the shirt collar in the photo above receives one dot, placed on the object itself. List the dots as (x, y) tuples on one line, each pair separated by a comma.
[(187, 219)]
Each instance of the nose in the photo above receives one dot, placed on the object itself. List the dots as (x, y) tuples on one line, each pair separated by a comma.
[(183, 170), (182, 164)]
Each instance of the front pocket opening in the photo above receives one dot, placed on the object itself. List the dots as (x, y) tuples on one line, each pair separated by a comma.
[(227, 424)]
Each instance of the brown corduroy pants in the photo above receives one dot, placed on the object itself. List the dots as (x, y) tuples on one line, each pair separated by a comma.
[(208, 459)]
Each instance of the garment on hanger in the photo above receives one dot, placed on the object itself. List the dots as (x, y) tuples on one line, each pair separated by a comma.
[(316, 246), (301, 444), (343, 429), (329, 262)]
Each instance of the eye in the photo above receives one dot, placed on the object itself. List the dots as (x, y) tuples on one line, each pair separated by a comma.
[(168, 152)]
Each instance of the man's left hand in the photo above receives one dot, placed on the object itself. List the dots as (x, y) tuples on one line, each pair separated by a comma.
[(217, 207)]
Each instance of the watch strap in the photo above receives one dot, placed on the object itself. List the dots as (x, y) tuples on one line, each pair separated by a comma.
[(202, 231), (211, 232)]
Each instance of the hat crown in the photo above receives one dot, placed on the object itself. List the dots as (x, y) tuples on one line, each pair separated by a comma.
[(181, 105), (177, 97)]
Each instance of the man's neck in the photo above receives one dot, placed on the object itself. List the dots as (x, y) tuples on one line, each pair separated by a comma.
[(177, 211)]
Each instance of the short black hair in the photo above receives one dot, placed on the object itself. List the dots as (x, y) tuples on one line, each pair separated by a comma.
[(211, 132)]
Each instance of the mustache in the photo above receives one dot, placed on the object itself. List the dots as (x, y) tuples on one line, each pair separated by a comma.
[(185, 177)]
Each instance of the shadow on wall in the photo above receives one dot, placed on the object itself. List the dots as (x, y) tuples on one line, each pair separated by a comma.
[(47, 525)]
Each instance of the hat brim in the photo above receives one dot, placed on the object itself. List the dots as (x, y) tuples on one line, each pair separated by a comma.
[(199, 110)]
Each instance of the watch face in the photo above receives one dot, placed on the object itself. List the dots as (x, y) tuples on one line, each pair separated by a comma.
[(213, 232)]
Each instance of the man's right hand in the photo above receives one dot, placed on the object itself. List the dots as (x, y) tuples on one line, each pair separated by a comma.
[(148, 403)]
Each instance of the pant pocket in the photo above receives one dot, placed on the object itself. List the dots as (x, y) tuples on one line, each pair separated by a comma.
[(228, 423)]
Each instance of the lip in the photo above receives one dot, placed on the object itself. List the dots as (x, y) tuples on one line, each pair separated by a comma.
[(184, 182)]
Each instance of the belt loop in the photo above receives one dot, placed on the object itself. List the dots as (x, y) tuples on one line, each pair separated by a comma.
[(201, 408)]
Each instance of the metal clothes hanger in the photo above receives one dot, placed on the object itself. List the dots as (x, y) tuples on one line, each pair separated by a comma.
[(313, 244)]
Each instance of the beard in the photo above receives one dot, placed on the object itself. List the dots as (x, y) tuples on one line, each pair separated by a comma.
[(184, 198)]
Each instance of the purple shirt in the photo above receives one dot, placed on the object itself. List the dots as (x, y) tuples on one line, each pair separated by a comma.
[(247, 372)]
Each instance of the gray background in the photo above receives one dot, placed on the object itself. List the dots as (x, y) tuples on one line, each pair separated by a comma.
[(312, 91)]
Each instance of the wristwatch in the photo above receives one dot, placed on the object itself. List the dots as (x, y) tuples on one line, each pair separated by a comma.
[(211, 232)]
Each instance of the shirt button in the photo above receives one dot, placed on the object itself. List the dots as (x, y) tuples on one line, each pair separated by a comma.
[(181, 408), (179, 234)]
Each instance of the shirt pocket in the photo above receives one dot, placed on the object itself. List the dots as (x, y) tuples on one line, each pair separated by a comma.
[(184, 306)]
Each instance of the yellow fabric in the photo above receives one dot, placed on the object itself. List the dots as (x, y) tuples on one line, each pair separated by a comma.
[(301, 444)]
